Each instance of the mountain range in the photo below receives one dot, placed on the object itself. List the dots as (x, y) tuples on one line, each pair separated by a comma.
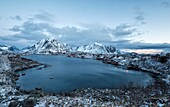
[(47, 46), (53, 46), (96, 48)]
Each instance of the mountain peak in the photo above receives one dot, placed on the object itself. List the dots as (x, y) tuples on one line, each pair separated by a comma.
[(10, 49), (48, 46), (96, 43), (96, 48)]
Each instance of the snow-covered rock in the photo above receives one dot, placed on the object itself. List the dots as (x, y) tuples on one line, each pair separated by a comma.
[(9, 49), (96, 48), (167, 79), (47, 46), (4, 63)]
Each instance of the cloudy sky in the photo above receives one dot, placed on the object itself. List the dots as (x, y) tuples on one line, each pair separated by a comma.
[(124, 23)]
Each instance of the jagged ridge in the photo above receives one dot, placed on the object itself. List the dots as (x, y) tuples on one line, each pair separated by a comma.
[(9, 49), (47, 46), (96, 48)]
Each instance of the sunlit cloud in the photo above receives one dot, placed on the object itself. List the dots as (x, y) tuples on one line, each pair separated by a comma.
[(143, 51)]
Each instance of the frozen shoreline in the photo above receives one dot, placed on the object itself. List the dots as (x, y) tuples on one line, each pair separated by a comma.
[(157, 94)]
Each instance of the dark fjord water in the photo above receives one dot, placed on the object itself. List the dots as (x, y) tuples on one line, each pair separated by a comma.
[(66, 74)]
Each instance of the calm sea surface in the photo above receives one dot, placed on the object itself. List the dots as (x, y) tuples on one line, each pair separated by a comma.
[(66, 74)]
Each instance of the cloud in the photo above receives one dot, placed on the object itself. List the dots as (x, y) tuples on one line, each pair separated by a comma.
[(140, 45), (43, 16), (139, 16), (165, 4), (87, 33), (120, 36), (29, 30), (20, 43), (15, 28), (124, 30), (17, 17)]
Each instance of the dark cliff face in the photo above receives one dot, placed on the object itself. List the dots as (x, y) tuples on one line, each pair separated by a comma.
[(13, 48), (110, 49)]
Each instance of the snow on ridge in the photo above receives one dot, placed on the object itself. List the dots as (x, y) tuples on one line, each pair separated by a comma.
[(96, 48), (53, 46), (48, 46), (10, 49)]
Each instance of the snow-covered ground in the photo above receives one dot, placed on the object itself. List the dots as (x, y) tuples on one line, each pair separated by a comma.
[(4, 63)]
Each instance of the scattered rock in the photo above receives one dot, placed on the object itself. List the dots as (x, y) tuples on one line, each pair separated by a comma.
[(14, 104), (38, 89), (29, 103), (51, 78), (23, 74)]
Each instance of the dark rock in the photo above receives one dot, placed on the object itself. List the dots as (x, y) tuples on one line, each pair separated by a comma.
[(2, 83), (38, 88), (132, 67), (27, 92), (15, 98), (45, 66), (54, 94), (51, 78), (16, 78), (82, 57), (10, 93), (18, 87), (23, 74), (98, 58), (114, 63), (107, 61), (163, 59), (16, 75), (29, 103), (42, 94), (39, 68), (168, 55), (17, 93), (14, 104)]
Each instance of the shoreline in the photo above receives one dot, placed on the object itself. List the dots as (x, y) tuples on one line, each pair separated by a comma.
[(89, 96)]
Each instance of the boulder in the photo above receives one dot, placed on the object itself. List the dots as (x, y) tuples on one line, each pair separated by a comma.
[(29, 103)]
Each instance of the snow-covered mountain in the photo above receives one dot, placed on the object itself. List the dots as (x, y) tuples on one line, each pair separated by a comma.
[(96, 48), (9, 49), (47, 46)]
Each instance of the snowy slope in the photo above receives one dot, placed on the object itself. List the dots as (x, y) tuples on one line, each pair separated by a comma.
[(96, 48), (47, 46), (10, 49)]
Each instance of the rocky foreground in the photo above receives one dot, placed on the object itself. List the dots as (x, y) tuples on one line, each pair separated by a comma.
[(157, 94)]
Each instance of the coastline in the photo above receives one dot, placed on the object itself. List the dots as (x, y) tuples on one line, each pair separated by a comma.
[(12, 95)]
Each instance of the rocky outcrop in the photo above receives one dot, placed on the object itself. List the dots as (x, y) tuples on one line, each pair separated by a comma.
[(19, 63)]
